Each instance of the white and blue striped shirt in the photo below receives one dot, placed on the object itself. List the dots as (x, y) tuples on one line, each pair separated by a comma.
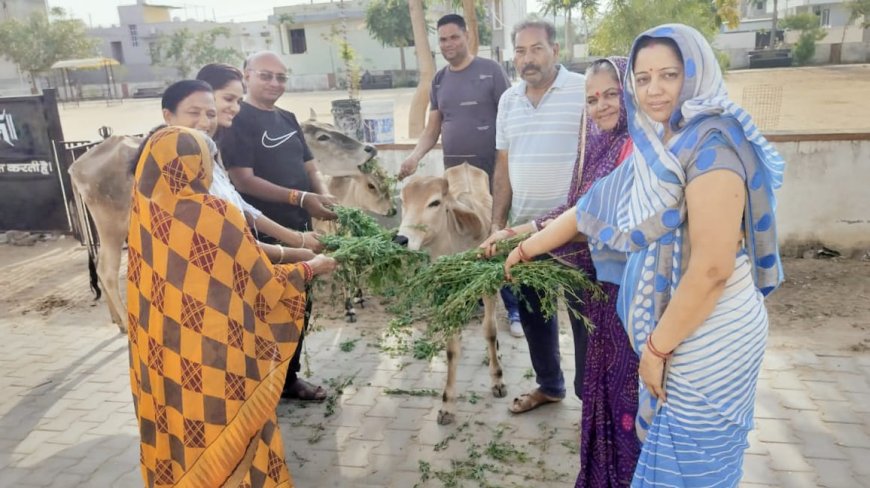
[(541, 143)]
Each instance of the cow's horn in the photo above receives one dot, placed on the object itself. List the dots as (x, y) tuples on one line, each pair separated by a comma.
[(313, 114)]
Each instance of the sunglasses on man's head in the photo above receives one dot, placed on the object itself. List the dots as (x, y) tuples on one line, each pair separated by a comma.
[(268, 75)]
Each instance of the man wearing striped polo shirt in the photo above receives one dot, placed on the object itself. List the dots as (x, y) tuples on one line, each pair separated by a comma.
[(537, 131)]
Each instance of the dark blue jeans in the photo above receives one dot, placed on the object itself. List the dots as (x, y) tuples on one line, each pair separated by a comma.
[(511, 304), (542, 335)]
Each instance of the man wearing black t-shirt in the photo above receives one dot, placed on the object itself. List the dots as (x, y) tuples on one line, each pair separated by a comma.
[(270, 164)]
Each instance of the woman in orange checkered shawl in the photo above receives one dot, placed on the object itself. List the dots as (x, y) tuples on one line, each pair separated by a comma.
[(212, 327)]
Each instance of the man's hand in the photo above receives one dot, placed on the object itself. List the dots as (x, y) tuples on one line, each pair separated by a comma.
[(489, 245), (409, 166), (318, 207)]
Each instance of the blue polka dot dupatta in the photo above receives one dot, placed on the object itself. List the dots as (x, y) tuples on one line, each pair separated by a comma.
[(635, 218)]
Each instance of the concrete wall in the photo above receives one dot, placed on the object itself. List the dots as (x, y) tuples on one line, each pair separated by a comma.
[(825, 196), (856, 52), (824, 200), (735, 40)]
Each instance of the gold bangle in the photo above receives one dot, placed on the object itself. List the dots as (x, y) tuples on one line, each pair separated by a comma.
[(281, 256), (303, 240)]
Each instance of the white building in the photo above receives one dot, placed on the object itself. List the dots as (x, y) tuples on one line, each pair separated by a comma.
[(503, 16), (141, 24), (310, 44)]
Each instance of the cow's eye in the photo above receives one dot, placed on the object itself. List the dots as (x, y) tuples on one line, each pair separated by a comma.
[(372, 186), (323, 137), (435, 204)]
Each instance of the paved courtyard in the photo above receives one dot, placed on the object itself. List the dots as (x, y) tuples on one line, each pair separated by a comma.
[(66, 416)]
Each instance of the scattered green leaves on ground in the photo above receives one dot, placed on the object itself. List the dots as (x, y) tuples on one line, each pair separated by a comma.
[(337, 386), (418, 392), (348, 345)]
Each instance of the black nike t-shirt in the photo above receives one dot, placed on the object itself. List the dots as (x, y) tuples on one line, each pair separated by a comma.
[(271, 143)]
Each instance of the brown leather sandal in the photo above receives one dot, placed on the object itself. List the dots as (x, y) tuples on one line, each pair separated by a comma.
[(531, 401)]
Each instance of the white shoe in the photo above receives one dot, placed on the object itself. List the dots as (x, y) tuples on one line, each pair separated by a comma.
[(517, 329)]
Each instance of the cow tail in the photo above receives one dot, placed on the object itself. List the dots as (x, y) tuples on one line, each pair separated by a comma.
[(95, 279)]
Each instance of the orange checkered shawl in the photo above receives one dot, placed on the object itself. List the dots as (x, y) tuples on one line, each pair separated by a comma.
[(212, 327)]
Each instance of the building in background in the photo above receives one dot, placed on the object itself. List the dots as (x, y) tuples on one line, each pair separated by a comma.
[(503, 16), (308, 38), (845, 42), (141, 25)]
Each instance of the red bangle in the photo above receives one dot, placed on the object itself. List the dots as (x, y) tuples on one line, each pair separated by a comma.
[(510, 231), (655, 352), (523, 256), (308, 272), (293, 198)]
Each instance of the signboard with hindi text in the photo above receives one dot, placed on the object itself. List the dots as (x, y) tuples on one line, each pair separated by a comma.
[(32, 185)]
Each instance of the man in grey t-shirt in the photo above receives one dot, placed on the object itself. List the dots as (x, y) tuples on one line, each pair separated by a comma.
[(463, 108), (463, 104)]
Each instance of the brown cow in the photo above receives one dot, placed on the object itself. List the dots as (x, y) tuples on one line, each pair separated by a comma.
[(101, 177), (446, 215)]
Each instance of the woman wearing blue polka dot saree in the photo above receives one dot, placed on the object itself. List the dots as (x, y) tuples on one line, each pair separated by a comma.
[(687, 228)]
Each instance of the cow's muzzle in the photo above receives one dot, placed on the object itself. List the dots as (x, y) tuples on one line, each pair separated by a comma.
[(401, 240)]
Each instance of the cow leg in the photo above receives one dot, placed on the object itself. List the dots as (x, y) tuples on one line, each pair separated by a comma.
[(359, 299), (349, 310), (112, 230), (447, 414), (108, 268), (496, 374)]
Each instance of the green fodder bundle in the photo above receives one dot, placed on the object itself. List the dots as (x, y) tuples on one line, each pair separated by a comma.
[(367, 255), (450, 288)]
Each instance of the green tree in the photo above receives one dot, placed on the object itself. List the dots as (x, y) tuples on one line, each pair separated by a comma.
[(857, 8), (39, 41), (860, 8), (186, 51), (389, 22), (810, 32), (626, 19), (587, 8), (474, 12)]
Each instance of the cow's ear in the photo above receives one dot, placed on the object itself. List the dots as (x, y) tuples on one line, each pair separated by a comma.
[(468, 222)]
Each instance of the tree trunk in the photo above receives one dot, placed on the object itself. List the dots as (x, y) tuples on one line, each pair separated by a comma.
[(775, 21), (34, 90), (425, 66), (470, 14), (569, 44), (402, 61)]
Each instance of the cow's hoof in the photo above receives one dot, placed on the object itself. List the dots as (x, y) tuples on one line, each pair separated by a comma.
[(350, 319), (499, 391), (445, 418)]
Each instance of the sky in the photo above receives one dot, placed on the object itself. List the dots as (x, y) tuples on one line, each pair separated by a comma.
[(105, 13)]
